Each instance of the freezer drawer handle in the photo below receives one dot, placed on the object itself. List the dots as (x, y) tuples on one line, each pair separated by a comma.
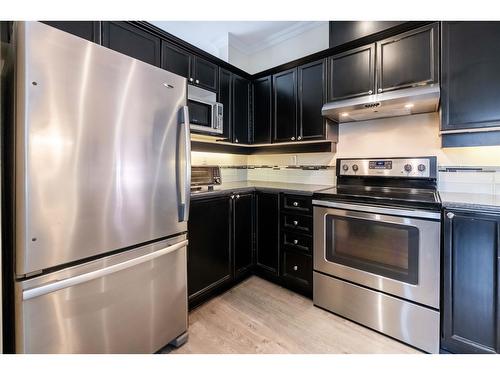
[(80, 279)]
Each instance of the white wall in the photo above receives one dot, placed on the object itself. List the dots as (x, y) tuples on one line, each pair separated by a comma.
[(311, 41)]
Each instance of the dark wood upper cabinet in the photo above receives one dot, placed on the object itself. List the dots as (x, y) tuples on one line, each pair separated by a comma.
[(224, 97), (262, 110), (240, 116), (90, 30), (408, 59), (268, 232), (342, 32), (312, 95), (209, 251), (471, 282), (132, 41), (470, 82), (205, 74), (285, 106), (176, 60), (352, 73), (243, 215)]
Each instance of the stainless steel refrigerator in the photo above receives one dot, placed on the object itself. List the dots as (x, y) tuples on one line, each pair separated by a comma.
[(102, 177)]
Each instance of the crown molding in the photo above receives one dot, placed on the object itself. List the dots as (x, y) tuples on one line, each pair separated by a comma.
[(275, 38)]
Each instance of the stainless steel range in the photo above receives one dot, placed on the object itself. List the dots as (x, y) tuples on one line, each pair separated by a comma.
[(377, 247)]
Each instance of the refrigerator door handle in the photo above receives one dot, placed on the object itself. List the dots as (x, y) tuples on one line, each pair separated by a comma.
[(186, 191), (80, 279)]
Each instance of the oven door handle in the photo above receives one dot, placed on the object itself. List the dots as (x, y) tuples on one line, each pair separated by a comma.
[(380, 210)]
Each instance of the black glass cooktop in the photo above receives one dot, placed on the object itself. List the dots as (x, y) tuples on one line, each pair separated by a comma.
[(410, 197)]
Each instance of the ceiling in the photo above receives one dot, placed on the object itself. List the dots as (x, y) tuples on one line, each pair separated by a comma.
[(247, 36)]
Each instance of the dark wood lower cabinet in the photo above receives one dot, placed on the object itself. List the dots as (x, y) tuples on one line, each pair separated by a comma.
[(268, 232), (234, 236), (243, 218), (209, 251), (471, 282)]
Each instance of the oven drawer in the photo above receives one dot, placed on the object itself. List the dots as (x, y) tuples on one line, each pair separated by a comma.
[(297, 223), (297, 267), (296, 203), (297, 242)]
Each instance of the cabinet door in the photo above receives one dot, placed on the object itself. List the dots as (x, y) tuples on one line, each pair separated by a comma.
[(224, 97), (262, 99), (408, 59), (285, 106), (470, 87), (352, 73), (241, 101), (132, 41), (267, 207), (205, 74), (209, 249), (311, 100), (90, 30), (243, 232), (471, 299), (176, 60)]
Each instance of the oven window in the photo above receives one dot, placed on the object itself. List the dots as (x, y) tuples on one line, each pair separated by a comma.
[(382, 248), (200, 113)]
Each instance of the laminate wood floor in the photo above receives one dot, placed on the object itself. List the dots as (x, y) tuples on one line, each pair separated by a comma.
[(258, 317)]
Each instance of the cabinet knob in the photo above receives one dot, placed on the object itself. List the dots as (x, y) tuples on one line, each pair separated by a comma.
[(191, 80), (232, 196), (295, 222), (370, 92), (295, 242), (450, 215), (295, 268), (293, 138), (380, 90), (237, 196), (295, 204), (299, 138), (197, 81), (236, 140)]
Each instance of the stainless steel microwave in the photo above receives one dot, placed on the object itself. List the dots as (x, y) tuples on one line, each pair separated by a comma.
[(206, 115)]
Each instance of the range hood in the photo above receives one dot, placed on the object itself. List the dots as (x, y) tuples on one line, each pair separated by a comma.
[(401, 102)]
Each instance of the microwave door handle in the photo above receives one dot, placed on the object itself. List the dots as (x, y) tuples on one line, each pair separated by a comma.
[(186, 189)]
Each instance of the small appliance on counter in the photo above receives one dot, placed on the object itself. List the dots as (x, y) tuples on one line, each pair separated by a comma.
[(204, 178), (377, 247)]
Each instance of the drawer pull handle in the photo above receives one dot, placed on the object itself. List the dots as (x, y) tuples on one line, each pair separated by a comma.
[(295, 242), (295, 204), (295, 222), (295, 268)]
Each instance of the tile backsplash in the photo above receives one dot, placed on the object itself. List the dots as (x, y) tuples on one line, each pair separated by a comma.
[(295, 174), (480, 180)]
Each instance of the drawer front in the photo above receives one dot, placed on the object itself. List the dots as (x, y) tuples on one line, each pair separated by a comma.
[(297, 223), (297, 267), (296, 203), (296, 241)]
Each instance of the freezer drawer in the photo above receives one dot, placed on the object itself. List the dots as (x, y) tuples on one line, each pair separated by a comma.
[(134, 302)]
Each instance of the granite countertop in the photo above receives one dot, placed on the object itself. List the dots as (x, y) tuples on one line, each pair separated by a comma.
[(470, 201), (242, 186)]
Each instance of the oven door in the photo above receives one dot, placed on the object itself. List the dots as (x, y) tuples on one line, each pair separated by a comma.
[(395, 251)]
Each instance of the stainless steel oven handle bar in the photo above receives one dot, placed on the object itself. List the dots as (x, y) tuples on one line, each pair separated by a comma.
[(80, 279), (380, 210)]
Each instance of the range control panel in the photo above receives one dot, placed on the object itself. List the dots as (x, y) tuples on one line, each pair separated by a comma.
[(396, 167)]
